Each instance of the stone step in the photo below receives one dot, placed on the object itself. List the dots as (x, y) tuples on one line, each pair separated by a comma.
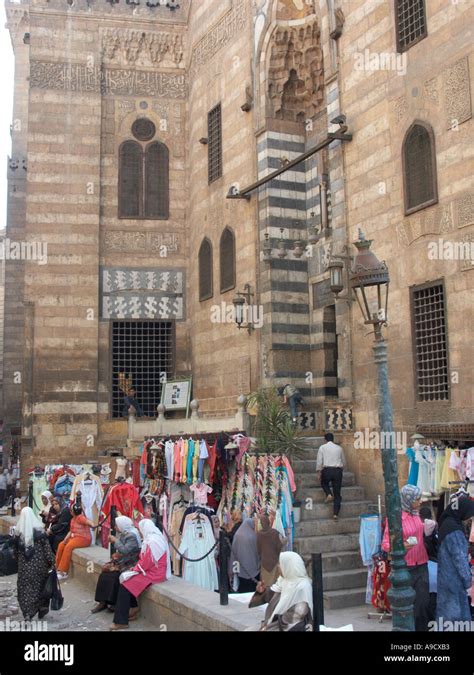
[(305, 545), (349, 494), (311, 480), (336, 562), (327, 526), (352, 597), (344, 579), (311, 442), (320, 511), (301, 466)]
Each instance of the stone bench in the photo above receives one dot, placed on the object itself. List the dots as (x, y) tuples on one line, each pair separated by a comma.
[(174, 605)]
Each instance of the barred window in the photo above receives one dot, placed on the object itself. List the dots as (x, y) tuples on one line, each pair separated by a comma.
[(410, 19), (142, 359), (430, 346), (143, 190), (419, 168), (205, 271), (214, 133), (227, 260)]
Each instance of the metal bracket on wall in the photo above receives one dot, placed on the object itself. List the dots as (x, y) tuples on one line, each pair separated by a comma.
[(235, 193)]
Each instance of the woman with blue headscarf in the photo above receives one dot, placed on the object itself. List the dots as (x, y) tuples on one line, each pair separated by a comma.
[(416, 556)]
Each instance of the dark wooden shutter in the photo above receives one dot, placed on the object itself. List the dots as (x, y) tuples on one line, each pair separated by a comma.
[(410, 19), (130, 180), (227, 260), (157, 181), (214, 133), (419, 169), (205, 270)]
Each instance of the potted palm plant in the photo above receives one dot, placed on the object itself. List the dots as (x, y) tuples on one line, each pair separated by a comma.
[(273, 428)]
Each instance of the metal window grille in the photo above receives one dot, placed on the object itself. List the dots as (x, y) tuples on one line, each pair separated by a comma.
[(142, 358), (419, 168), (227, 260), (430, 342), (411, 22), (214, 133), (205, 271)]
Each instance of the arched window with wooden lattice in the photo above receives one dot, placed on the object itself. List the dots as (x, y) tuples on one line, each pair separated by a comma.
[(419, 168), (227, 260), (157, 181), (143, 189), (205, 271)]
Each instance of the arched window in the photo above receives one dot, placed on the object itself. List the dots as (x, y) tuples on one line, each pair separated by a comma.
[(205, 270), (143, 190), (227, 260), (130, 179), (157, 181), (419, 168)]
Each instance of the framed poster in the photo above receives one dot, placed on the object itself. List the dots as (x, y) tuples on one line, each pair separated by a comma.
[(176, 394)]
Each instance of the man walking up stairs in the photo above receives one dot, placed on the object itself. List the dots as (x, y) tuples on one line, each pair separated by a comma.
[(344, 577)]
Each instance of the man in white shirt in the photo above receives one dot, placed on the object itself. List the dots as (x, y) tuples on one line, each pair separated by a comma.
[(329, 467)]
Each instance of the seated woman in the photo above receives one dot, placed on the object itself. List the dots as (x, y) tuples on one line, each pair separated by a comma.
[(79, 536), (60, 518), (153, 567), (45, 512), (127, 551), (290, 599)]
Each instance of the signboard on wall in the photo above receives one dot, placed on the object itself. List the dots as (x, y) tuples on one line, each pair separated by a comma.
[(176, 394)]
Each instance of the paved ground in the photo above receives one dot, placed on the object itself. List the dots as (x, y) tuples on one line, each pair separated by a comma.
[(76, 616)]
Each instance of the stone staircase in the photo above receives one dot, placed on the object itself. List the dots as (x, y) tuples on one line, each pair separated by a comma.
[(344, 577)]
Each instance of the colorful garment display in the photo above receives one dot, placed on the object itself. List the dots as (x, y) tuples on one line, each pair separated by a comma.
[(198, 539), (381, 584), (126, 498)]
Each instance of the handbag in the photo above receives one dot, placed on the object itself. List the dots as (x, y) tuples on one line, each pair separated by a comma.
[(57, 598), (51, 593)]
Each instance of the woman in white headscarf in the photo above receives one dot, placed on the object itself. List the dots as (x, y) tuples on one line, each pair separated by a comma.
[(290, 599), (127, 551), (153, 567), (35, 560), (44, 514)]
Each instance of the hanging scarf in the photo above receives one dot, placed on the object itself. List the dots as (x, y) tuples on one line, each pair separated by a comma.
[(408, 495), (156, 542), (452, 518)]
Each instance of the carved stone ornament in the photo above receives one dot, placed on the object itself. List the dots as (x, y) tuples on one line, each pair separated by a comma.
[(117, 241), (222, 33), (457, 93), (119, 82), (132, 46), (296, 74), (339, 20)]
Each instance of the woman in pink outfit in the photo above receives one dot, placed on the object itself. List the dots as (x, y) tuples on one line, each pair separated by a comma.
[(153, 567)]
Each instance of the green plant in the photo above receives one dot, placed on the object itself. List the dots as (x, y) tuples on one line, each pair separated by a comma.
[(273, 427)]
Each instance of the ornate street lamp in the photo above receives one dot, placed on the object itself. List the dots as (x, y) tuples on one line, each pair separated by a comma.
[(369, 280), (239, 302), (369, 284)]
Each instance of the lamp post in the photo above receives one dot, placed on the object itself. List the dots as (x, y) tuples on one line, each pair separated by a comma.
[(369, 281), (240, 301)]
